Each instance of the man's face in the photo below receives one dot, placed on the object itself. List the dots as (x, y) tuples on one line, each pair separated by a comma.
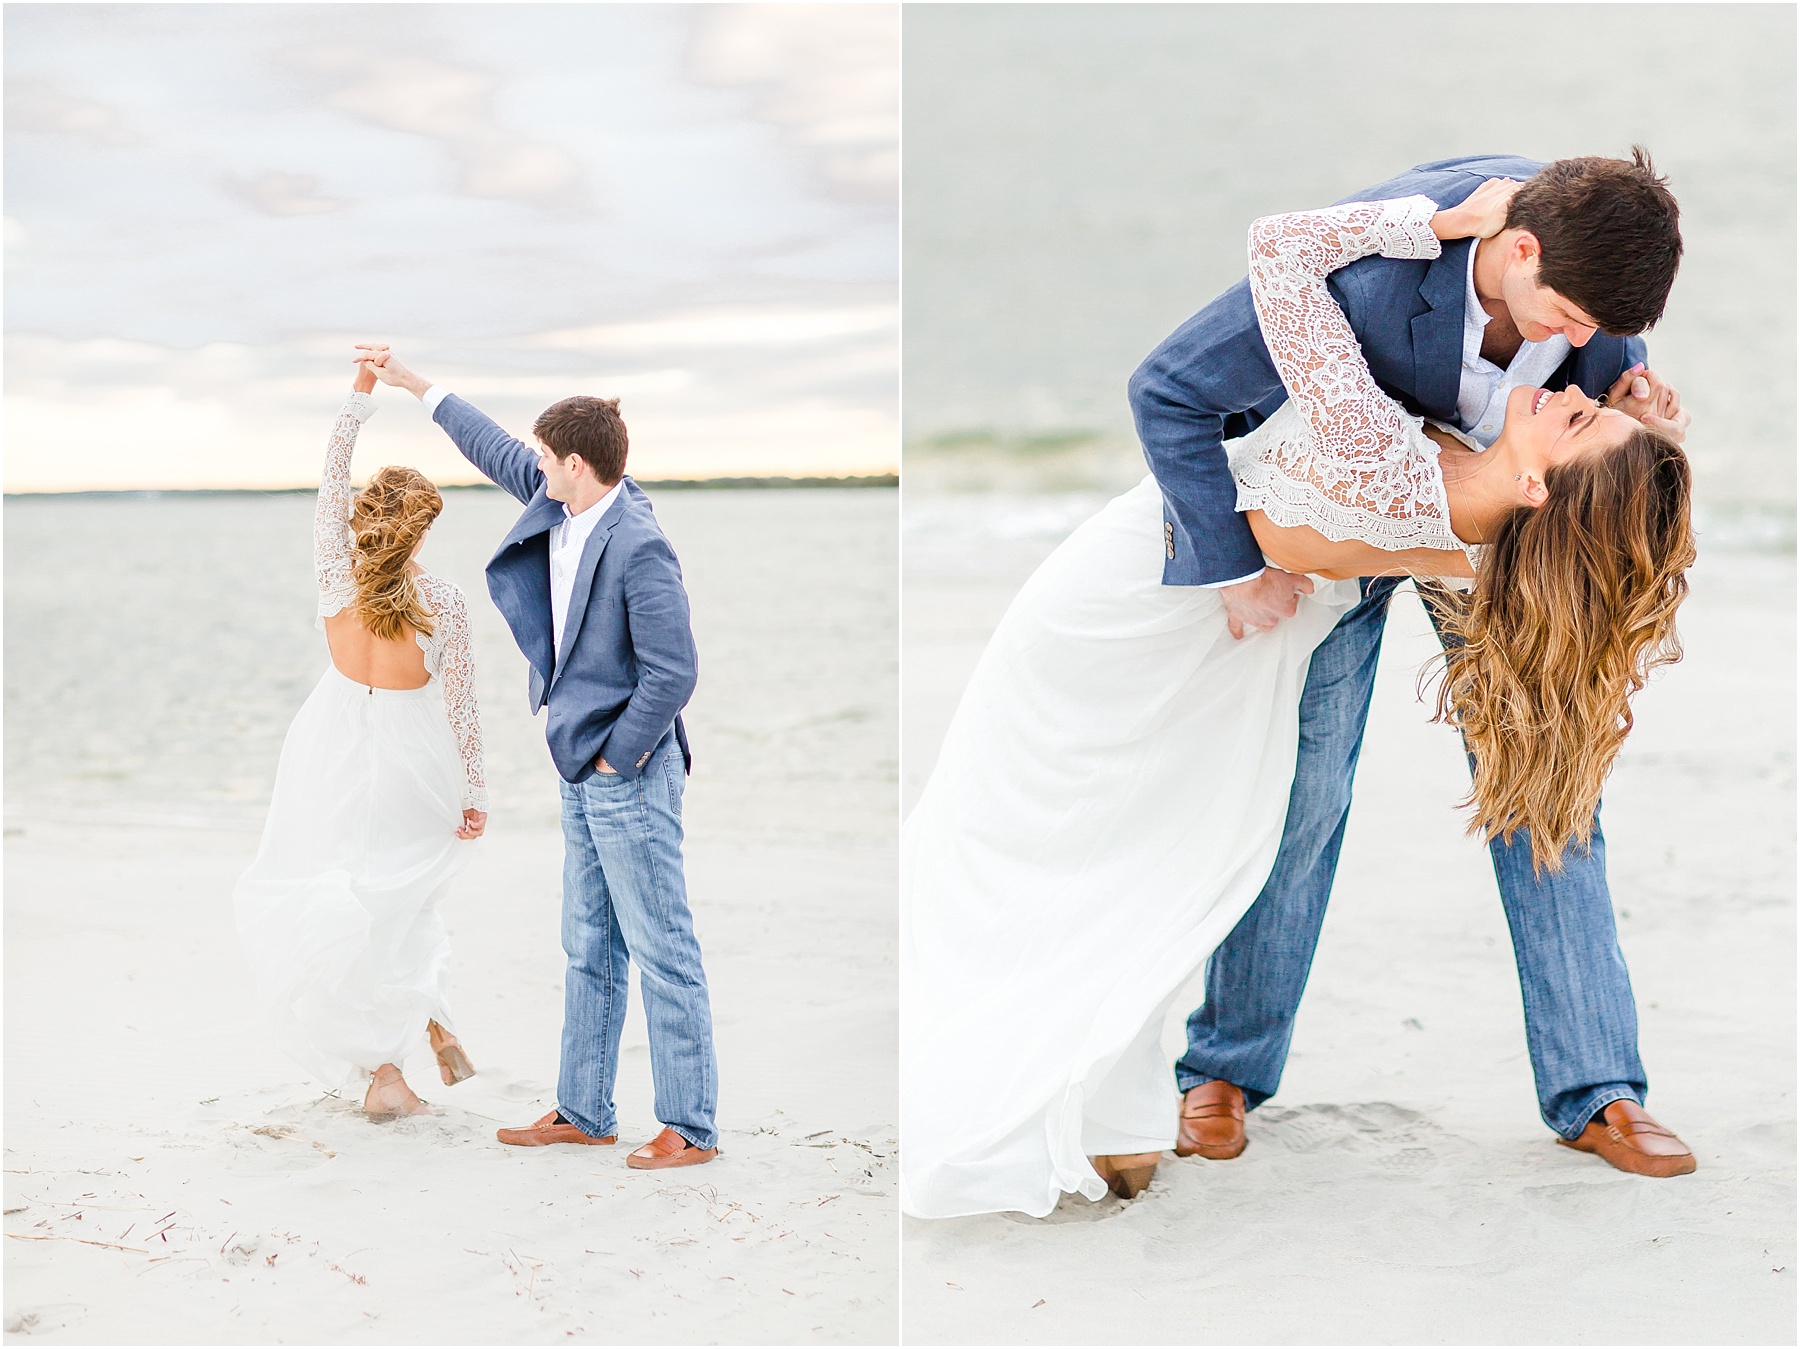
[(559, 474), (1537, 311)]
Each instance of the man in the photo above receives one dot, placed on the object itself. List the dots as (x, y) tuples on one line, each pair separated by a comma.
[(593, 595), (1586, 262)]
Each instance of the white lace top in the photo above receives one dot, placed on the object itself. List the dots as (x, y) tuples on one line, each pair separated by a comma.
[(1340, 455), (448, 659)]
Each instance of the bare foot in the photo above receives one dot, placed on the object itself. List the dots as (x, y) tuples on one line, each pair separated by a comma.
[(453, 1061), (389, 1097)]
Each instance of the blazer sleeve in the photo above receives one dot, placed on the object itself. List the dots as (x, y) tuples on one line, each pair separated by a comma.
[(504, 460), (1216, 366), (662, 641)]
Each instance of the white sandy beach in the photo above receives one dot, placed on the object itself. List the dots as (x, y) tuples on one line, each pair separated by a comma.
[(170, 1180), (1400, 1189)]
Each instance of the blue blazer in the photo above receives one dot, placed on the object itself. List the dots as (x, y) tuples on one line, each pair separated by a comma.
[(1212, 379), (627, 664)]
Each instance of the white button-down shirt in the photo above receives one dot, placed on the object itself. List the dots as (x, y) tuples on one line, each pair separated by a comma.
[(1481, 396), (566, 540)]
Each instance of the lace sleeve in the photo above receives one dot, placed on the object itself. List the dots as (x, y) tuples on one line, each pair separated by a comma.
[(1362, 459), (331, 516), (456, 675)]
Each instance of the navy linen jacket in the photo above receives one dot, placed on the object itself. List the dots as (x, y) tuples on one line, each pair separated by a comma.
[(627, 665), (1212, 379)]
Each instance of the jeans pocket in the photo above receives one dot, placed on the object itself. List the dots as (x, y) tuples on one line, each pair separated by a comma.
[(674, 774)]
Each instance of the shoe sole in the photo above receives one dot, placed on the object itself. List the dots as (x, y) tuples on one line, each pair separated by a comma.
[(559, 1142), (1655, 1168), (1213, 1154), (686, 1157)]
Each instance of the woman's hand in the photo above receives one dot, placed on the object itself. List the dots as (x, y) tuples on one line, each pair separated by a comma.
[(1481, 215), (474, 822), (1641, 393), (364, 381)]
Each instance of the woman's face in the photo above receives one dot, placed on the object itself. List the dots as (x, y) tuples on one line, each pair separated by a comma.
[(1552, 428)]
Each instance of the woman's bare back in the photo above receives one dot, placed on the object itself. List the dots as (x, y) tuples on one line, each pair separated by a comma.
[(360, 655)]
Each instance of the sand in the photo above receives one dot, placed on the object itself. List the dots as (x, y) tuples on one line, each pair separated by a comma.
[(170, 1179), (1400, 1189)]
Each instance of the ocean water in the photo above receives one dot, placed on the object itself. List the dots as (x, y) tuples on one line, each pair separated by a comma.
[(1079, 179), (158, 646)]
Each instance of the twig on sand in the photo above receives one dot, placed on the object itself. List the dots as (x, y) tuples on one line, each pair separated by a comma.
[(80, 1241)]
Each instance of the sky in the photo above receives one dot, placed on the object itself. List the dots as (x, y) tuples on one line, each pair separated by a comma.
[(692, 208)]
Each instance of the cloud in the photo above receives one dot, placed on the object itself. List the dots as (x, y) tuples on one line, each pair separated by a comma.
[(282, 193), (828, 75), (34, 105), (728, 328), (452, 105)]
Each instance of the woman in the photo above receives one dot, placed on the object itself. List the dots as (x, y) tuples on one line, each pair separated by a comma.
[(1110, 795), (379, 780)]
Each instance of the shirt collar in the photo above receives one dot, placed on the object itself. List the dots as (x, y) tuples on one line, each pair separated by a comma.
[(582, 525)]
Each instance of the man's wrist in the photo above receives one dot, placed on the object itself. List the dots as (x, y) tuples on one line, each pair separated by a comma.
[(1240, 581)]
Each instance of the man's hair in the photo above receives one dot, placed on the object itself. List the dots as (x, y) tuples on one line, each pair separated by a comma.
[(589, 428), (1610, 234)]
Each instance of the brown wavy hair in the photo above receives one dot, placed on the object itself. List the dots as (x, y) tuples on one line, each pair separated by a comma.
[(387, 520), (1573, 606)]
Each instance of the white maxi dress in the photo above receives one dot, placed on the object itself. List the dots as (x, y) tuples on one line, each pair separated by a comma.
[(338, 913), (1110, 795)]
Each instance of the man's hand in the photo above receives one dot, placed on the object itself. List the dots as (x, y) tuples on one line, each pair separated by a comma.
[(474, 822), (387, 368), (1263, 601), (1641, 393), (1481, 215), (602, 766)]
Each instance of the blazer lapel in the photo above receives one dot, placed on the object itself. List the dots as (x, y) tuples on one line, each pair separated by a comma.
[(1438, 333), (540, 517), (584, 580)]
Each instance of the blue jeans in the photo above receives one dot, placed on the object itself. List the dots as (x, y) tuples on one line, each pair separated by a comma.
[(625, 899), (1580, 1020)]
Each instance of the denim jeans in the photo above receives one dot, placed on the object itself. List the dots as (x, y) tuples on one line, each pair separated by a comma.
[(624, 900), (1580, 1020)]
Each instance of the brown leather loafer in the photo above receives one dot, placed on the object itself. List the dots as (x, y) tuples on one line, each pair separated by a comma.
[(668, 1148), (1212, 1122), (1625, 1135), (550, 1129), (1126, 1174)]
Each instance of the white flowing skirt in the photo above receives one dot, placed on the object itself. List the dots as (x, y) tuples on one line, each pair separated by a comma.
[(1107, 803), (338, 914)]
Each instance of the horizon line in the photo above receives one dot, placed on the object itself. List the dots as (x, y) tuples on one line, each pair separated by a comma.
[(767, 482)]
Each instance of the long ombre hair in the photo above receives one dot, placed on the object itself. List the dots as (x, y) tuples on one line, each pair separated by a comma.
[(387, 519), (1573, 606)]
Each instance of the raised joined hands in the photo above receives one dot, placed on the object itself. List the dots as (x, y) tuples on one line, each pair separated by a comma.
[(379, 362), (1641, 393)]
